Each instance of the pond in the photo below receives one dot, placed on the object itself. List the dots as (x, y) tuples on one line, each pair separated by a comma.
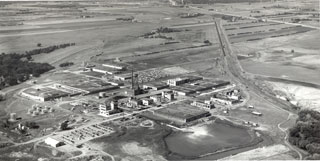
[(205, 139)]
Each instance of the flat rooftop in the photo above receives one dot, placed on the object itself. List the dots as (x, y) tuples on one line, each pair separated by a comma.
[(44, 92), (183, 111), (181, 89), (89, 84), (156, 84), (104, 68)]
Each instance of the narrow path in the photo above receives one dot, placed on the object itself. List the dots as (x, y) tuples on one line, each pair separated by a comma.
[(284, 130)]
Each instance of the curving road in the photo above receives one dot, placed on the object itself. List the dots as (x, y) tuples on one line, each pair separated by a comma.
[(236, 72)]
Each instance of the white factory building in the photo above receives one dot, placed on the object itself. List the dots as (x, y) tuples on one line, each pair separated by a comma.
[(53, 142)]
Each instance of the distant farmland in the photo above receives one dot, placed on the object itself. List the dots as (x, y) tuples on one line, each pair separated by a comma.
[(220, 1)]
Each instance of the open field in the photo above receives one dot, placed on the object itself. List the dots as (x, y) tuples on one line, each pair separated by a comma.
[(291, 58), (135, 143), (294, 11), (100, 32)]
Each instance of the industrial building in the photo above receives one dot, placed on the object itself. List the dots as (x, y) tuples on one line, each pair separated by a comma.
[(177, 81), (134, 103), (107, 109), (147, 101), (207, 105), (182, 91), (53, 142), (135, 87), (123, 77), (168, 95), (181, 114), (155, 86), (256, 113), (156, 98), (104, 69), (193, 84), (223, 101), (116, 66), (43, 94)]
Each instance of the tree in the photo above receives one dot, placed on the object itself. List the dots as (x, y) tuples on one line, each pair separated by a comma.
[(206, 42), (32, 125), (64, 125), (11, 80), (29, 57), (306, 133), (39, 44)]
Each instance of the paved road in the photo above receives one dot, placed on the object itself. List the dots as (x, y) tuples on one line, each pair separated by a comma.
[(235, 70)]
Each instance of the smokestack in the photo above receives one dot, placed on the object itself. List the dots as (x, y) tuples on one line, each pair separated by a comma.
[(132, 84)]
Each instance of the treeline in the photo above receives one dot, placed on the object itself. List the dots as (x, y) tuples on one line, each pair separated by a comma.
[(14, 68), (157, 33), (48, 49), (306, 133), (166, 30), (66, 64)]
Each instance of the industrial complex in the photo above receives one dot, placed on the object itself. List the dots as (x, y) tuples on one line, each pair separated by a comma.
[(159, 80)]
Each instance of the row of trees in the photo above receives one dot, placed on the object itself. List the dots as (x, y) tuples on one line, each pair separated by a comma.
[(48, 49), (306, 133), (166, 30), (66, 64)]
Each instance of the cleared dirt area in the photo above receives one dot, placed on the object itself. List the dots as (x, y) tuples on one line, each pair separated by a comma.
[(304, 97), (275, 152), (293, 57)]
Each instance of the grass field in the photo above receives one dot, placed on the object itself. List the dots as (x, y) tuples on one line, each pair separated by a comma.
[(135, 143)]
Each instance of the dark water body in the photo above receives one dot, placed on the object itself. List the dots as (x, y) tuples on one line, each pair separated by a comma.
[(207, 139)]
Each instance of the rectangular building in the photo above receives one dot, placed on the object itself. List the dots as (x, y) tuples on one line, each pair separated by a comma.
[(207, 105), (53, 142), (181, 114), (177, 81), (114, 66), (155, 86)]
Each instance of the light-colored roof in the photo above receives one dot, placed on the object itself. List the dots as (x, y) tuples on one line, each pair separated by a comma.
[(51, 141)]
